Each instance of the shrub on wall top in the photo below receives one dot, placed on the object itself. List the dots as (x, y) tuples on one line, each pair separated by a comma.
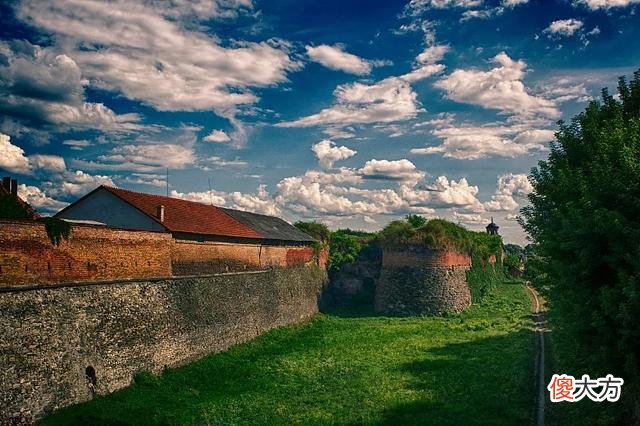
[(440, 234)]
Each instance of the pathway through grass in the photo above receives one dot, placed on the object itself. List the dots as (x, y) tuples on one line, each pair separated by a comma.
[(471, 368)]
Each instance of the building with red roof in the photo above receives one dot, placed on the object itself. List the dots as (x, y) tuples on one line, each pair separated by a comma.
[(185, 220)]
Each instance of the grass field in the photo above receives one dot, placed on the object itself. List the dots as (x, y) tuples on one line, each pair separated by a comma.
[(349, 368)]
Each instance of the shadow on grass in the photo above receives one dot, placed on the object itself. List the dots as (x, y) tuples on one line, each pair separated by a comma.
[(330, 371), (352, 311), (486, 381)]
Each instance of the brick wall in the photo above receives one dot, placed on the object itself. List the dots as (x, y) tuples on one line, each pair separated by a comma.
[(195, 258), (50, 336), (27, 256), (420, 256)]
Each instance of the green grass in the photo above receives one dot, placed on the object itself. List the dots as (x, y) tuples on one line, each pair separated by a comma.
[(348, 368)]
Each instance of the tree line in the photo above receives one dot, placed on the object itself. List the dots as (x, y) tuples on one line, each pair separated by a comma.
[(584, 223)]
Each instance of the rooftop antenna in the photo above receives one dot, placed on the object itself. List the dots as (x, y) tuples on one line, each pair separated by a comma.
[(210, 195)]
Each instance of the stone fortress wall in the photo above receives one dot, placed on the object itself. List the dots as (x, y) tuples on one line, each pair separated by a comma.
[(417, 280), (62, 346), (82, 318)]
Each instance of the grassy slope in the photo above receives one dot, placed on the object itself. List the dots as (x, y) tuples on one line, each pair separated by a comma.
[(471, 368)]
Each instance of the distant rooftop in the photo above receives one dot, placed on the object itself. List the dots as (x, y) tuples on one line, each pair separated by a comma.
[(196, 218), (270, 227)]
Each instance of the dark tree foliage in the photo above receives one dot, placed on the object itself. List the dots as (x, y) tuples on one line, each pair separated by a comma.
[(57, 229), (584, 220), (11, 209), (346, 246), (416, 220), (512, 261), (516, 250), (317, 230)]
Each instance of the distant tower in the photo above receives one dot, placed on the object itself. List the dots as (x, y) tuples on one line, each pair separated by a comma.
[(492, 228)]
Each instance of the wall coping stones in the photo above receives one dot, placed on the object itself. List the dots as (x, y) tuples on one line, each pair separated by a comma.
[(23, 288)]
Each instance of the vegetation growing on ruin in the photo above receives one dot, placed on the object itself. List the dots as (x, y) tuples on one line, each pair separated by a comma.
[(483, 277), (347, 369), (440, 234), (57, 229), (345, 245), (584, 220)]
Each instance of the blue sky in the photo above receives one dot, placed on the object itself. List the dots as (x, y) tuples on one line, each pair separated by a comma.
[(353, 113)]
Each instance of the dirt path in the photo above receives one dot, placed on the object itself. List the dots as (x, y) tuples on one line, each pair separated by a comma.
[(540, 328)]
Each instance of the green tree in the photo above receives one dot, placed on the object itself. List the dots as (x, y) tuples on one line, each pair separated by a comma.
[(584, 219), (416, 220), (343, 249), (512, 261), (317, 230)]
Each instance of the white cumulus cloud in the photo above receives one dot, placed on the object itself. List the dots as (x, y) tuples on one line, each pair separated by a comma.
[(509, 187), (564, 27), (336, 58), (328, 153), (400, 170), (500, 88), (217, 136), (129, 47), (12, 157), (605, 4), (475, 142), (39, 200)]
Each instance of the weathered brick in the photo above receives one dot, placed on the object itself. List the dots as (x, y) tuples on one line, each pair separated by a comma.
[(27, 256)]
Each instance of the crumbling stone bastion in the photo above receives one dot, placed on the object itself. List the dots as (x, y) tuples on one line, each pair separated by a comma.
[(417, 280)]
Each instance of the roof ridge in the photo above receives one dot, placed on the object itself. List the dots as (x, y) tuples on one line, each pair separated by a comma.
[(146, 194), (130, 198), (254, 213)]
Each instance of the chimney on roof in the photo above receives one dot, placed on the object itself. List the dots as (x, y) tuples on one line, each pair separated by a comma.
[(6, 184), (14, 188), (160, 213)]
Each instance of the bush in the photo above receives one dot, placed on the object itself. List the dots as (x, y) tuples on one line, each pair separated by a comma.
[(346, 245), (416, 220), (316, 230), (482, 277), (441, 234), (57, 229), (397, 233)]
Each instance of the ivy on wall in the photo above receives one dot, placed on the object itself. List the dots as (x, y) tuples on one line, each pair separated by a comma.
[(57, 229)]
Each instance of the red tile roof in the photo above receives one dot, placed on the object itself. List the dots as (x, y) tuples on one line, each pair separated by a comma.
[(186, 216)]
